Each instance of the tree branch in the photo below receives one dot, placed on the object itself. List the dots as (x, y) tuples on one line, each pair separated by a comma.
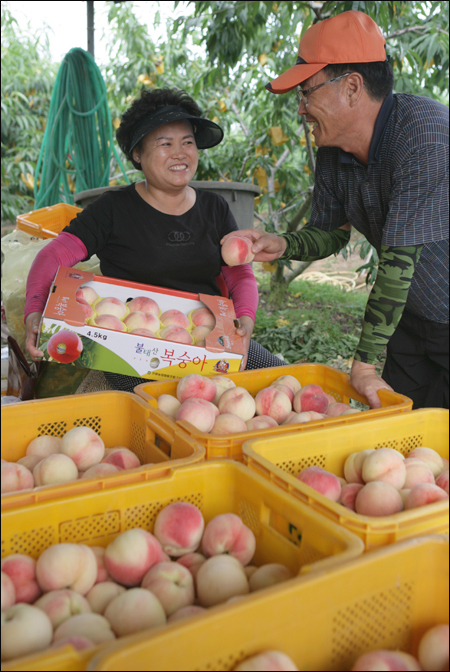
[(297, 271), (295, 221), (411, 29), (239, 118)]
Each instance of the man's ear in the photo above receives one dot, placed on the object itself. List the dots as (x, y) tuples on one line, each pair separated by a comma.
[(355, 88)]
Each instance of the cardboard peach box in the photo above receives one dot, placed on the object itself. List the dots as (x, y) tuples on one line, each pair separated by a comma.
[(67, 337)]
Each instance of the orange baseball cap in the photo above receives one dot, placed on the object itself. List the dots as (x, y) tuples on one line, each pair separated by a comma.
[(350, 37)]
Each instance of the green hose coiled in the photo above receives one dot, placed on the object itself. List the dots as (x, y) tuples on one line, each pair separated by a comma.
[(79, 133)]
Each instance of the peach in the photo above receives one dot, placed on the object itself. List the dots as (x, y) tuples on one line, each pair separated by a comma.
[(310, 398), (196, 386), (169, 405), (192, 562), (111, 306), (442, 481), (378, 499), (172, 584), (404, 492), (226, 533), (84, 446), (386, 465), (101, 595), (268, 575), (86, 293), (203, 317), (227, 423), (144, 305), (122, 458), (354, 464), (386, 660), (144, 332), (423, 494), (237, 251), (446, 464), (134, 610), (290, 381), (8, 592), (99, 471), (29, 461), (220, 578), (140, 320), (250, 570), (94, 627), (43, 446), (25, 629), (430, 457), (274, 403), (65, 346), (55, 469), (237, 401), (179, 528), (129, 557), (337, 409), (59, 605), (417, 472), (102, 572), (291, 415), (302, 418), (177, 334), (321, 481), (261, 422), (351, 411), (348, 495), (285, 389), (268, 660), (15, 477), (86, 308), (186, 612), (175, 318), (78, 643), (222, 384), (67, 566), (108, 322), (342, 481), (209, 404), (200, 333), (21, 569), (433, 648), (197, 414)]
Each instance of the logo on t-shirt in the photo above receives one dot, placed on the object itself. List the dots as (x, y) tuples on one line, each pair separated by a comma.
[(179, 236)]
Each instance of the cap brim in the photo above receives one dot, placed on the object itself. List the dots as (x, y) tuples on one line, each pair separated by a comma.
[(207, 134), (294, 76)]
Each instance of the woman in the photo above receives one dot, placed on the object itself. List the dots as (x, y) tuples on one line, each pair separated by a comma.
[(159, 231)]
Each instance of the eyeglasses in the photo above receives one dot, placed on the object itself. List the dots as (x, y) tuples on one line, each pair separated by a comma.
[(303, 94)]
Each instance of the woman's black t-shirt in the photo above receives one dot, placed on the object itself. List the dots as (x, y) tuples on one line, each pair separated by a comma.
[(136, 242)]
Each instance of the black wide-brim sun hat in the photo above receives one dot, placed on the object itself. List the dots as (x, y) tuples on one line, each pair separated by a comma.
[(206, 133)]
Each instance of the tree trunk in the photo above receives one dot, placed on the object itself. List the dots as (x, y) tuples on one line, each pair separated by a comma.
[(278, 288)]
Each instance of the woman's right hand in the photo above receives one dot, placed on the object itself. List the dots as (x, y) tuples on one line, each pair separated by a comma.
[(31, 331), (266, 246)]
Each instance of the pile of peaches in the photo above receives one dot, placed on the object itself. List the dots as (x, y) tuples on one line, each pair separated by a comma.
[(53, 460), (383, 482), (83, 595), (216, 406), (143, 316)]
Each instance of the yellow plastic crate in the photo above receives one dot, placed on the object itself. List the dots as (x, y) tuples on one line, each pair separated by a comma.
[(331, 380), (120, 418), (47, 222), (286, 530), (281, 460), (323, 622)]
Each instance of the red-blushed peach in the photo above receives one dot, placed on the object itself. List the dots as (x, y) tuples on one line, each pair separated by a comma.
[(336, 409), (268, 661), (431, 457), (433, 651), (108, 322), (310, 398), (122, 458), (179, 528), (86, 293), (220, 578), (209, 404), (354, 464), (99, 471), (386, 465), (131, 555), (290, 381), (195, 386), (177, 334), (84, 446), (378, 499), (237, 401), (144, 332), (203, 317), (59, 605), (65, 346), (321, 481), (29, 461), (186, 612), (391, 661), (348, 495), (143, 304), (261, 422), (43, 446), (86, 308), (140, 320), (268, 575), (200, 333), (169, 405), (175, 318), (25, 629), (67, 566), (8, 592), (111, 306), (423, 494), (55, 469), (227, 423), (135, 610), (172, 584), (285, 389), (21, 569), (226, 533), (222, 384), (15, 477), (200, 416), (93, 626), (237, 251), (78, 643), (442, 481), (417, 472), (102, 572), (404, 492), (101, 595), (192, 562), (274, 403), (289, 418)]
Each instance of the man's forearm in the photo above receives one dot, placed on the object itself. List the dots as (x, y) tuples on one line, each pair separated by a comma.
[(311, 243)]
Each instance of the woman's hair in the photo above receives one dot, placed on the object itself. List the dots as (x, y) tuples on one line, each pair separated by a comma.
[(150, 101), (378, 76)]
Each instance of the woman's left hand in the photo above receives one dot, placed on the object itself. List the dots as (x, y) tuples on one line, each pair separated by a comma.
[(246, 331)]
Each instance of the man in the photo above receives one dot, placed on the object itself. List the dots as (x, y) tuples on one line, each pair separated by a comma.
[(382, 167)]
